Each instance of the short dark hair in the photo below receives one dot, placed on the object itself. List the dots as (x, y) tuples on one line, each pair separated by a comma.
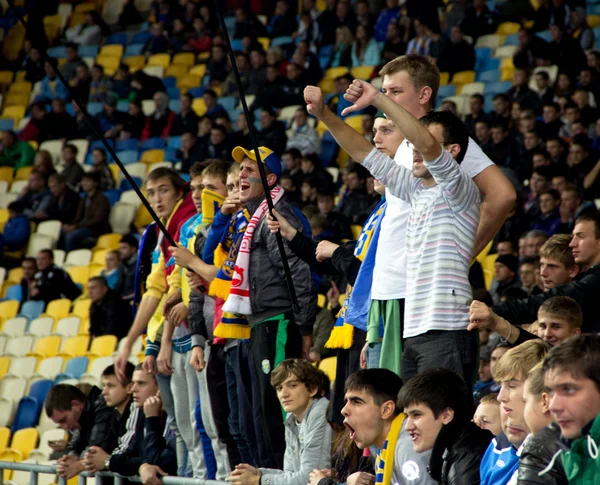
[(215, 168), (502, 96), (94, 176), (579, 355), (438, 389), (48, 252), (59, 398), (211, 92), (71, 147), (166, 172), (293, 152), (130, 240), (128, 373), (591, 217), (299, 368), (99, 279), (29, 259), (382, 384), (478, 96), (455, 131), (16, 206), (552, 193), (543, 74), (312, 181)]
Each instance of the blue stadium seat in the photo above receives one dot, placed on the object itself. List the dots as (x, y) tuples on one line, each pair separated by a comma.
[(230, 24), (233, 114), (169, 82), (483, 53), (61, 377), (545, 34), (171, 155), (94, 108), (512, 39), (326, 50), (128, 156), (488, 102), (488, 65), (447, 90), (32, 309), (14, 292), (129, 144), (329, 149), (133, 50), (197, 92), (228, 102), (76, 367), (113, 196), (174, 93), (99, 144), (27, 414), (175, 105), (236, 44), (140, 37), (7, 124), (88, 50), (117, 38), (123, 106), (39, 390), (174, 142), (282, 41), (497, 87), (153, 143), (125, 185), (489, 76), (60, 52)]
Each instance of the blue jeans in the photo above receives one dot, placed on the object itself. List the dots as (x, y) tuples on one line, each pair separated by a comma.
[(74, 238), (373, 356)]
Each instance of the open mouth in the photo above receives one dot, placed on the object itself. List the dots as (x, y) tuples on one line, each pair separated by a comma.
[(351, 430), (244, 185), (413, 436)]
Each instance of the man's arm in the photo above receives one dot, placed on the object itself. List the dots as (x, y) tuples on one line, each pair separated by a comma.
[(481, 316)]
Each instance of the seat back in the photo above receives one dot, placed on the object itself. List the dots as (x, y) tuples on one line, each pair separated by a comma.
[(41, 327), (14, 327), (27, 413), (76, 366), (103, 345), (25, 440), (32, 309), (58, 308), (22, 366)]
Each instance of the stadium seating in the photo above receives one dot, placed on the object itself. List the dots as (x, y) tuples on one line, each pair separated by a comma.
[(41, 326)]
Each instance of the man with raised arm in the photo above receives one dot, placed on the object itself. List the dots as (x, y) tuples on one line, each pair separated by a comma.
[(440, 231)]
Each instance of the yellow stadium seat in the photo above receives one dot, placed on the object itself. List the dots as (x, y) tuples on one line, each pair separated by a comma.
[(507, 74), (183, 58), (265, 42), (135, 63), (79, 274), (46, 347), (326, 85), (108, 241), (81, 309), (58, 309), (85, 7), (142, 217), (328, 366), (153, 156), (52, 27), (444, 78), (24, 441), (463, 77), (95, 270), (109, 63), (111, 50), (4, 365), (217, 89), (16, 112), (161, 60), (593, 21), (7, 174), (321, 300), (20, 87), (507, 28), (507, 63), (23, 173), (9, 309), (334, 72), (114, 169), (16, 99), (100, 256), (9, 458), (488, 269), (189, 81), (204, 56), (15, 275), (103, 346), (4, 438), (6, 77), (356, 230), (199, 106), (484, 252), (362, 72), (176, 70), (20, 76), (75, 346), (356, 123)]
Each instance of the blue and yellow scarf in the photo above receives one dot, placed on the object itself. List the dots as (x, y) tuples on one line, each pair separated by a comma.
[(355, 308), (384, 465)]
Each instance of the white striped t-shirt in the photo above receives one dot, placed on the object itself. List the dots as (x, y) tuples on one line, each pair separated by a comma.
[(440, 237)]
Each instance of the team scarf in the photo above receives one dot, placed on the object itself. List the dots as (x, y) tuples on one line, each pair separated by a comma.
[(355, 307), (239, 294), (211, 203), (384, 465)]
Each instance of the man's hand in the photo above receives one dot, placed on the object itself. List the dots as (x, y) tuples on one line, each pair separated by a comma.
[(94, 459), (183, 257), (197, 359), (69, 466), (482, 316), (307, 344), (121, 360), (313, 96), (149, 364), (280, 223), (231, 205), (361, 478), (333, 295), (317, 475), (153, 406), (170, 302), (68, 227), (163, 363), (196, 282), (245, 474), (361, 93), (363, 356), (150, 474), (178, 314), (325, 250)]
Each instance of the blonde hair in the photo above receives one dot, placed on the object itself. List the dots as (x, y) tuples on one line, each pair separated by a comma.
[(518, 361), (491, 398), (422, 71), (535, 380), (557, 248), (565, 308)]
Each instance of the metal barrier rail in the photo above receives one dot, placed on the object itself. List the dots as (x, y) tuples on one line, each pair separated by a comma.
[(36, 469)]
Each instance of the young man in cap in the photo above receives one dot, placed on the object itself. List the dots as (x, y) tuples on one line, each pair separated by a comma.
[(505, 275), (260, 292)]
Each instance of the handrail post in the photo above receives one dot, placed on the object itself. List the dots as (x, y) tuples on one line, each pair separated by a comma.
[(62, 481), (118, 480), (1, 476), (80, 480), (33, 478)]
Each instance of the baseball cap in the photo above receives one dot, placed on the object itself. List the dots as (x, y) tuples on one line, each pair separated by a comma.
[(268, 156)]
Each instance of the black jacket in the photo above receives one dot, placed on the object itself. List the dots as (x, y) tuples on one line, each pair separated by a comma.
[(149, 446), (65, 209), (118, 428), (55, 283), (457, 453), (537, 453), (584, 291), (273, 137), (268, 289), (111, 316), (94, 423)]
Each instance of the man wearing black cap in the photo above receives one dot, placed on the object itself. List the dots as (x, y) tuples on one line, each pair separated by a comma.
[(505, 276), (128, 252), (485, 382), (278, 331)]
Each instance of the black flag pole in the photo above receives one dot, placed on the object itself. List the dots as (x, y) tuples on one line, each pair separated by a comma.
[(100, 135), (263, 174)]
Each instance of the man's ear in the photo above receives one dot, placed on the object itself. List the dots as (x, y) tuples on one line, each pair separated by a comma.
[(576, 331), (447, 415), (129, 388), (454, 150), (545, 402), (388, 409), (574, 271), (77, 405), (425, 95), (271, 179)]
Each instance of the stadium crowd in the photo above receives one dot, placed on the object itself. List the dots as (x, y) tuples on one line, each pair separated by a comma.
[(433, 168)]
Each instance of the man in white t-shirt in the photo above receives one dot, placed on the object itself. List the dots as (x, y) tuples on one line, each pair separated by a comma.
[(412, 82)]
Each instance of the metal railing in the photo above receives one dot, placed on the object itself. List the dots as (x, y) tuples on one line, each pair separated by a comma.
[(36, 469)]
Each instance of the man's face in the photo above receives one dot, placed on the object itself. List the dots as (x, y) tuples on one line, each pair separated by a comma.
[(144, 386), (537, 183), (68, 155), (185, 103), (114, 393), (554, 329), (300, 118), (503, 274), (159, 100), (548, 204), (353, 182), (512, 410), (88, 184), (187, 141), (485, 373), (482, 131), (559, 183), (250, 184), (504, 247), (126, 251), (386, 137), (527, 273), (549, 114), (540, 82), (570, 200), (29, 269), (196, 188), (496, 355), (216, 137), (554, 273), (56, 187), (576, 154), (290, 162), (418, 169), (214, 183), (475, 105), (581, 99), (209, 100), (44, 261), (98, 157), (68, 420), (400, 89), (540, 160), (500, 106), (554, 148), (325, 205), (574, 401), (96, 291), (487, 416), (498, 135), (363, 418), (585, 246), (294, 396), (266, 120), (162, 196), (35, 182), (423, 427)]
